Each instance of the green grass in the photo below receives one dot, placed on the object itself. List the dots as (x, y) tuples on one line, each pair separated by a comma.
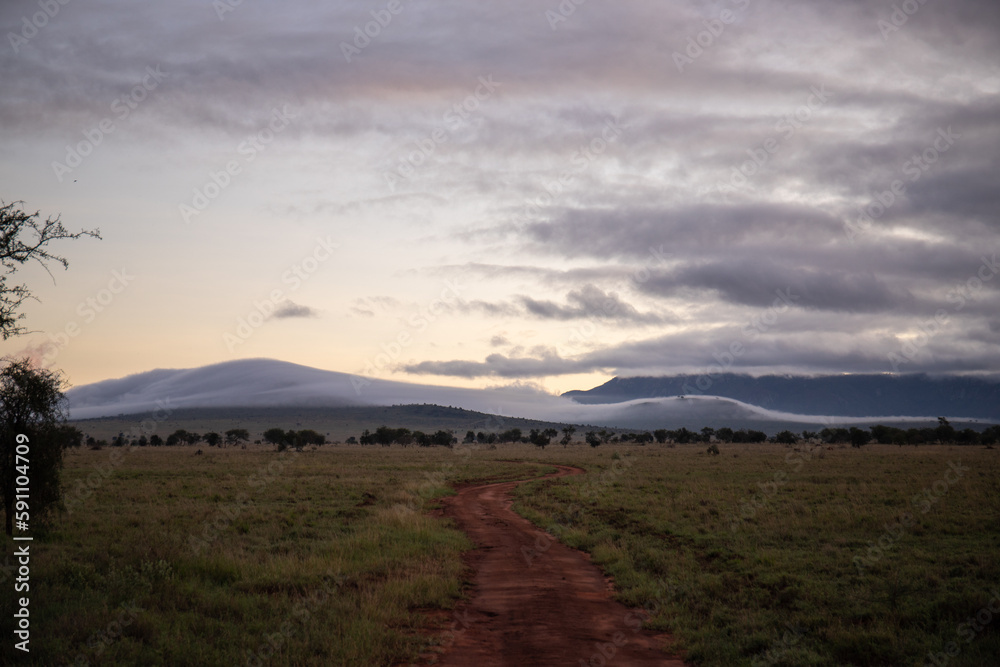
[(319, 558), (331, 557), (747, 574)]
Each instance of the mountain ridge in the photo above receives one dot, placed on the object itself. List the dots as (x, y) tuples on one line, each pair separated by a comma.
[(861, 395)]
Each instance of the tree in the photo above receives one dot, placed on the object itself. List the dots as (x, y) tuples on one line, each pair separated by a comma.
[(945, 431), (785, 438), (31, 405), (213, 439), (568, 432), (661, 435), (470, 437), (275, 436), (725, 434), (68, 436), (155, 441), (442, 438), (512, 435), (310, 437), (684, 436), (24, 237), (542, 438), (237, 436), (859, 437), (593, 439), (707, 433)]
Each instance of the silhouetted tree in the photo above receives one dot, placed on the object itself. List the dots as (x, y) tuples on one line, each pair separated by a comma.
[(237, 436), (275, 436), (25, 237), (541, 438), (945, 431), (31, 409), (785, 438)]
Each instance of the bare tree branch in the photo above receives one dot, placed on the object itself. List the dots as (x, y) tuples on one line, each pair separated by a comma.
[(25, 237)]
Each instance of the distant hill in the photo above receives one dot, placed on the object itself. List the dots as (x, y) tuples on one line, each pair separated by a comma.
[(915, 395), (337, 423), (341, 403)]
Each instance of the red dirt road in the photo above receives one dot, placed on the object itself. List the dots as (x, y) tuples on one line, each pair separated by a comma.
[(555, 610)]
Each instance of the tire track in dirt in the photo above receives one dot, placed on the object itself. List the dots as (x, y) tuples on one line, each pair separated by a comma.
[(556, 609)]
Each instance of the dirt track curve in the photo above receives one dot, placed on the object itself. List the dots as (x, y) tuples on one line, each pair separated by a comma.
[(554, 610)]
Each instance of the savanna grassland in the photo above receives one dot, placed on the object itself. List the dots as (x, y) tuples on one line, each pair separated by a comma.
[(794, 555), (252, 557), (759, 555)]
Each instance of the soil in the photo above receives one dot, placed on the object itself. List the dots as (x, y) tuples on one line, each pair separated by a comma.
[(533, 600)]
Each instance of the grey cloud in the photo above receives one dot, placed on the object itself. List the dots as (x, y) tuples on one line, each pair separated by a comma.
[(292, 310)]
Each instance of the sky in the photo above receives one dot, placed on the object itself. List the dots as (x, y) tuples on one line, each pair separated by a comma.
[(513, 193)]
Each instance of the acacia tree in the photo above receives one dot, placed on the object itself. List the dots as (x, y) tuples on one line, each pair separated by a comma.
[(31, 398), (31, 401), (236, 436), (25, 237)]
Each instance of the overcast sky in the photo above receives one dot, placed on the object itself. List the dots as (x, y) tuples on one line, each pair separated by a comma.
[(477, 193)]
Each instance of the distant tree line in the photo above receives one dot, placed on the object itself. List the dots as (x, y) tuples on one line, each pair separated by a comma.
[(386, 436), (857, 437), (293, 439), (944, 432)]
